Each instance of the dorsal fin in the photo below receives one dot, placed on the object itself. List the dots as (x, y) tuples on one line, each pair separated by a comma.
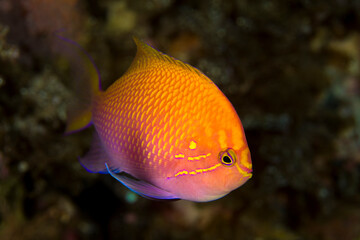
[(147, 56)]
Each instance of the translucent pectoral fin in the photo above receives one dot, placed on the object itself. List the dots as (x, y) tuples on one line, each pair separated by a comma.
[(97, 156), (142, 188)]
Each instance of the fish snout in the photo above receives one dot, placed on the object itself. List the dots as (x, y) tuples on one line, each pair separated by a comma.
[(238, 177)]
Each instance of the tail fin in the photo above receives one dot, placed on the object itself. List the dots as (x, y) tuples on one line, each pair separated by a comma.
[(89, 85)]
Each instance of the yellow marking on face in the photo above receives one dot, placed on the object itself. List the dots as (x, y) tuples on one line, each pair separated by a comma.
[(197, 171), (177, 156), (181, 173), (198, 157), (192, 145), (242, 172), (237, 138), (244, 157), (222, 139)]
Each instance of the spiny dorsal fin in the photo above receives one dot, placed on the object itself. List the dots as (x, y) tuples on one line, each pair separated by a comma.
[(147, 56)]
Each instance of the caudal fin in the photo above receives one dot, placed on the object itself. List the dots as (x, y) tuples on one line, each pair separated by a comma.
[(87, 85)]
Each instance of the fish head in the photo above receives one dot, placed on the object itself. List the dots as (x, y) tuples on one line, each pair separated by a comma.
[(216, 163), (226, 140), (234, 171)]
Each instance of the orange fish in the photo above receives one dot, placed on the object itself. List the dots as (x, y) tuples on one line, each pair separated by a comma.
[(165, 131)]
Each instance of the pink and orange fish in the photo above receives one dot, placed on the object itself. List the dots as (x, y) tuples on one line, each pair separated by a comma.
[(165, 131)]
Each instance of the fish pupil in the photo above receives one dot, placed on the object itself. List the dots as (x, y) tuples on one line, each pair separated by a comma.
[(227, 160)]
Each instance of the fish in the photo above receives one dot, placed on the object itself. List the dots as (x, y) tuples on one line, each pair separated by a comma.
[(165, 131)]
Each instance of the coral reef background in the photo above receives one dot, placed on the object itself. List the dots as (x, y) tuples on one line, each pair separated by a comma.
[(290, 68)]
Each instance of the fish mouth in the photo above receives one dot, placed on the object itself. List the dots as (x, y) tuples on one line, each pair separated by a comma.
[(245, 166), (246, 172), (245, 160)]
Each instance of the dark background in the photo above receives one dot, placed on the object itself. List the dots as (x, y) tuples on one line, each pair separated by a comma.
[(290, 68)]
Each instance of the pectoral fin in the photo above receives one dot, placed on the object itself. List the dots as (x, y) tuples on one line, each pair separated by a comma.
[(94, 160)]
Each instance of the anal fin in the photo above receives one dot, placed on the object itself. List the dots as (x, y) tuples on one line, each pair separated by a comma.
[(142, 188)]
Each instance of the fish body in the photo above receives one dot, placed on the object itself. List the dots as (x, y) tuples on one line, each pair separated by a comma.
[(170, 128)]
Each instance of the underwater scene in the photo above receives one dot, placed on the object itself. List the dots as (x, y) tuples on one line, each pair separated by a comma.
[(165, 119)]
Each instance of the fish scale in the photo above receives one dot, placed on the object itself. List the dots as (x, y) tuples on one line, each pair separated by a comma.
[(168, 126)]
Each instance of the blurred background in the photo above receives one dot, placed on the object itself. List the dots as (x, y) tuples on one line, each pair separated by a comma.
[(290, 68)]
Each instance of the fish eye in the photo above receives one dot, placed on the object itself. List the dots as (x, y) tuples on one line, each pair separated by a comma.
[(226, 160), (228, 157)]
